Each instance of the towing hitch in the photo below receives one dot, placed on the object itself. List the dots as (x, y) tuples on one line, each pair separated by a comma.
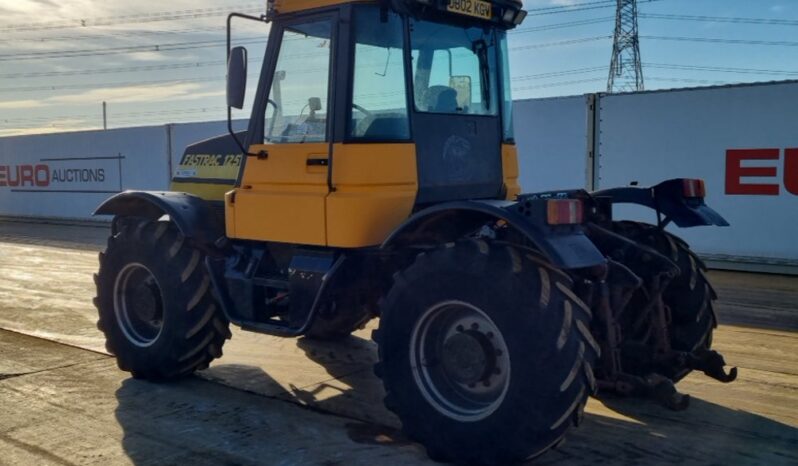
[(711, 363)]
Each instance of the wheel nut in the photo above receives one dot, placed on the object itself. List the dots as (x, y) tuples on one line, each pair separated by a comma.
[(460, 328), (499, 352), (486, 383), (489, 334), (474, 326), (497, 371)]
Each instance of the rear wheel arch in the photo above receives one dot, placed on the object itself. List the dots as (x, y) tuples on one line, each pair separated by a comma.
[(448, 222)]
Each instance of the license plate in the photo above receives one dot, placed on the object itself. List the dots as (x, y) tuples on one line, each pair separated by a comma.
[(475, 8)]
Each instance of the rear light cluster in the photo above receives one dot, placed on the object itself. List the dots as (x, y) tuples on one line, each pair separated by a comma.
[(693, 188), (564, 211)]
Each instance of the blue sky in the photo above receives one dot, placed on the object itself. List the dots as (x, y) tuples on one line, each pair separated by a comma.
[(160, 62)]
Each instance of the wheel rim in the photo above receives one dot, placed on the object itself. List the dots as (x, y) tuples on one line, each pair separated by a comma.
[(138, 304), (460, 361)]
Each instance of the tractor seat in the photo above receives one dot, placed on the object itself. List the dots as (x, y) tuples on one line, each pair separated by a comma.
[(442, 99)]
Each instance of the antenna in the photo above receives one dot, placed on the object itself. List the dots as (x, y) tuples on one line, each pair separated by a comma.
[(626, 72)]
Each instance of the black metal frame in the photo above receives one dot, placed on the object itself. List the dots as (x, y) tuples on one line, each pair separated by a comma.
[(261, 18)]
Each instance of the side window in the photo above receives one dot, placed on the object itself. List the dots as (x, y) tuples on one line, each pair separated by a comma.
[(379, 106), (298, 100)]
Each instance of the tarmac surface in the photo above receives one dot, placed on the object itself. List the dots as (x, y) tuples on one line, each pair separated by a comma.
[(298, 402)]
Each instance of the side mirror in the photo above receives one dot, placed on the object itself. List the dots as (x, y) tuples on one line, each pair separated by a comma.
[(236, 77)]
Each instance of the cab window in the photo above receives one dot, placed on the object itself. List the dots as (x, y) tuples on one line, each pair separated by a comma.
[(379, 105), (454, 69), (296, 111)]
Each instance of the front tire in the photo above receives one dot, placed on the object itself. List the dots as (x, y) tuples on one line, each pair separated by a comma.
[(155, 304), (485, 353)]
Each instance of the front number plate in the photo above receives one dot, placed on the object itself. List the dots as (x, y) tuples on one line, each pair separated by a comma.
[(475, 8)]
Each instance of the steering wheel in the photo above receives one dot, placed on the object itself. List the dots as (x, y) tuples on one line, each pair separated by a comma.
[(368, 118)]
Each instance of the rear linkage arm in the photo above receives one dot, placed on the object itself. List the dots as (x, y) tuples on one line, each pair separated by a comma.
[(632, 266)]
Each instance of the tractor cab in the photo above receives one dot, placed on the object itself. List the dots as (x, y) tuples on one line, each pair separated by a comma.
[(365, 112)]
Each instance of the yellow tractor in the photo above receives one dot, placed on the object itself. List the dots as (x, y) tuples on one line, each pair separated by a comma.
[(378, 177)]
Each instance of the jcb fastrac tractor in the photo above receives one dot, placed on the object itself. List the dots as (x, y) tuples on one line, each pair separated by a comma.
[(378, 178)]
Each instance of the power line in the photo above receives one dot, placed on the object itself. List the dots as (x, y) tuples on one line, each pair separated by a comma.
[(137, 18), (555, 74), (724, 41), (549, 27), (126, 69), (125, 49), (116, 33), (559, 43), (669, 66), (721, 19), (558, 84)]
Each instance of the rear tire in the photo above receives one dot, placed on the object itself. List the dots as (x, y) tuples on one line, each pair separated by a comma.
[(154, 301), (689, 296), (485, 353)]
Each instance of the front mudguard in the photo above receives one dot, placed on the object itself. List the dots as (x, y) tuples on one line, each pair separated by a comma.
[(193, 216), (566, 247), (667, 200)]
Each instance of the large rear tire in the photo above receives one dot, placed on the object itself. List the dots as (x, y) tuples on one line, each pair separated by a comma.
[(485, 353), (689, 296), (154, 301)]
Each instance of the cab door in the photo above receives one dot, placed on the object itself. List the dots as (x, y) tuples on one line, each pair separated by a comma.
[(282, 190)]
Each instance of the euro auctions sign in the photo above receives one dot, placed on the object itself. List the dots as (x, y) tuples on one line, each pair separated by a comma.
[(756, 171), (64, 174)]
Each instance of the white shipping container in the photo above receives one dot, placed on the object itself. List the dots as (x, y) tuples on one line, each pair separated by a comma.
[(718, 134), (552, 140)]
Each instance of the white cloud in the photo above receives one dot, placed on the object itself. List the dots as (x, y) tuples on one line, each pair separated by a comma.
[(128, 94), (27, 103)]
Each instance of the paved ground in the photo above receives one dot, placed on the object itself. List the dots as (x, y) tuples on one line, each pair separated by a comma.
[(279, 401)]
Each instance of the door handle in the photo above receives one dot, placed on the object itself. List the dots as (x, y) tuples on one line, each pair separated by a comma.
[(261, 155), (318, 162)]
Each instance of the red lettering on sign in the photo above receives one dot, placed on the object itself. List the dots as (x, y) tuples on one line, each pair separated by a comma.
[(3, 175), (791, 170), (26, 175), (42, 175), (735, 171)]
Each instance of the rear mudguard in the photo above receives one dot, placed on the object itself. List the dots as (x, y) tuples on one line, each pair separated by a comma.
[(193, 216), (667, 199), (566, 247)]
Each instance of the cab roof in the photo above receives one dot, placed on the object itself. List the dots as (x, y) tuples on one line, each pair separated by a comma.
[(291, 6)]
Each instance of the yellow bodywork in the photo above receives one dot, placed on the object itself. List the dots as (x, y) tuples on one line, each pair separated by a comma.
[(284, 199), (291, 6), (510, 171)]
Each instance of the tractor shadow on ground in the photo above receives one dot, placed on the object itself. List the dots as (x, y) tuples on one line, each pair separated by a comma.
[(615, 430)]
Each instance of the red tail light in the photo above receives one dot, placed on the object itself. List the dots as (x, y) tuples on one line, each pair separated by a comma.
[(693, 188), (564, 211)]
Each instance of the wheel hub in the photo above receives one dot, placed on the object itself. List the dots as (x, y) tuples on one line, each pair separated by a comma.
[(138, 304), (468, 357), (460, 361)]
